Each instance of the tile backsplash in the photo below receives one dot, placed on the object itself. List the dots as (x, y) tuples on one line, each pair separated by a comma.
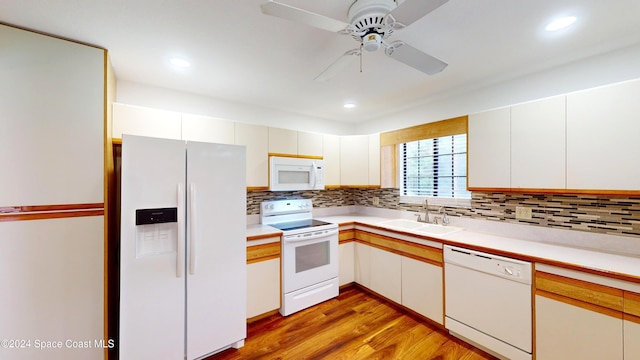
[(597, 214)]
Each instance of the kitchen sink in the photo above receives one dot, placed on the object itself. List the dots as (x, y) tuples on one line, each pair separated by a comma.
[(422, 228)]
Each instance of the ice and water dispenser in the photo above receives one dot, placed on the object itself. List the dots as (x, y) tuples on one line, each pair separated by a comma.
[(156, 231)]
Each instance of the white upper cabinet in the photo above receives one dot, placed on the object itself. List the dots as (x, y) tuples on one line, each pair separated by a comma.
[(256, 139), (489, 149), (374, 159), (52, 120), (603, 132), (310, 144), (297, 143), (354, 160), (283, 141), (142, 121), (207, 129), (331, 156), (538, 144)]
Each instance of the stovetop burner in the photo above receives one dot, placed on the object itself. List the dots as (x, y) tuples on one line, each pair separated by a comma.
[(299, 224)]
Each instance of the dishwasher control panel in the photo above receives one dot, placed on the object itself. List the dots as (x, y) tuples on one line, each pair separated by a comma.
[(514, 269)]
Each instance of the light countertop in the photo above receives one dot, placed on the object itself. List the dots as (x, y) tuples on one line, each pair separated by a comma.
[(537, 245)]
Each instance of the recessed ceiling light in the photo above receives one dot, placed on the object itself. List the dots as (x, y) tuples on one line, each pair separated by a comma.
[(560, 23), (181, 63), (349, 105)]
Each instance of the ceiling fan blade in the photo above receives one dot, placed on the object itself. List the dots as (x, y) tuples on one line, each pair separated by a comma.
[(415, 58), (306, 17), (340, 64), (412, 10)]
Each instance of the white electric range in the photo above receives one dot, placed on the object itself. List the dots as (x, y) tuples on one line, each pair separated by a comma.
[(309, 253)]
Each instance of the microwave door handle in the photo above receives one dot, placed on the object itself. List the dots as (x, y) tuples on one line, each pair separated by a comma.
[(315, 174)]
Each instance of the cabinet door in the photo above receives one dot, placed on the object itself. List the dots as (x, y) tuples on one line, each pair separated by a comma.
[(362, 264), (374, 159), (207, 129), (354, 160), (386, 274), (256, 139), (346, 255), (52, 273), (263, 287), (632, 339), (566, 331), (489, 149), (283, 141), (331, 156), (602, 138), (310, 144), (422, 288), (142, 121), (538, 144), (51, 120)]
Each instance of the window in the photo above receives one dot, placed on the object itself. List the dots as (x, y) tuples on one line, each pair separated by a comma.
[(434, 167)]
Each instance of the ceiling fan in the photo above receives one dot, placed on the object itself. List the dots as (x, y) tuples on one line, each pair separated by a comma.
[(371, 22)]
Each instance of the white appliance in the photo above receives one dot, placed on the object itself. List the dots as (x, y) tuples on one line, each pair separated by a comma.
[(488, 301), (290, 174), (309, 253), (183, 249)]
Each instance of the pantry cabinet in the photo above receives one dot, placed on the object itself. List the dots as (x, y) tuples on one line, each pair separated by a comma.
[(256, 139), (602, 137), (422, 288), (489, 149), (143, 121), (207, 129)]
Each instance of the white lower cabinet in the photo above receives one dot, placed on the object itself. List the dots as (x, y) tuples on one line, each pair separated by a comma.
[(263, 287), (422, 288), (362, 262), (631, 340), (565, 331), (386, 274), (346, 261)]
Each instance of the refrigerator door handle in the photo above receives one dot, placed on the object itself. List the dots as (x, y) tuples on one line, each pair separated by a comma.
[(192, 229), (180, 245)]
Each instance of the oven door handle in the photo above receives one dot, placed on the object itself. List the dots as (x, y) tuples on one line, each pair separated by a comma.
[(320, 234)]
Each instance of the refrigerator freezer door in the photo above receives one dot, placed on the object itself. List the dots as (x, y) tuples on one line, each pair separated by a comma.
[(152, 297), (216, 247)]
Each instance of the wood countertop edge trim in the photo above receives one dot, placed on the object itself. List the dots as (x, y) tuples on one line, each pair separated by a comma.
[(264, 236)]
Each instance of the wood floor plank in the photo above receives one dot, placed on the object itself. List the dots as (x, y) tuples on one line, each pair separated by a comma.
[(355, 325)]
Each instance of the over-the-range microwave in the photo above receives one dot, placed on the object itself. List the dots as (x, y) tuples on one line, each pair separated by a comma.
[(291, 173)]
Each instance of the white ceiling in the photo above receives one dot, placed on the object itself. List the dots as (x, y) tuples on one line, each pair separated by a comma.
[(240, 55)]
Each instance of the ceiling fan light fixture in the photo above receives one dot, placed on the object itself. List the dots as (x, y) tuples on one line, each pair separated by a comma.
[(371, 42)]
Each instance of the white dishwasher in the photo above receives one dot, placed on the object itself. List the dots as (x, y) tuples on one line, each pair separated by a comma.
[(488, 301)]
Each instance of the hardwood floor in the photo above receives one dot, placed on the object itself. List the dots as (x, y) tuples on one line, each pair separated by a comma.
[(356, 325)]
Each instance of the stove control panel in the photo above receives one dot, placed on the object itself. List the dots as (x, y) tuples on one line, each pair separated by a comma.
[(286, 206)]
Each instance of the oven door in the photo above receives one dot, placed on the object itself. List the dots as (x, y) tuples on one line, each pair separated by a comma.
[(309, 258)]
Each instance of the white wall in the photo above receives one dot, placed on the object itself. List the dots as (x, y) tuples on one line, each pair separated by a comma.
[(616, 66), (160, 98), (600, 70)]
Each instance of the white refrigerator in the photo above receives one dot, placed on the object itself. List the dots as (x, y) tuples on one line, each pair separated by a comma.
[(182, 249)]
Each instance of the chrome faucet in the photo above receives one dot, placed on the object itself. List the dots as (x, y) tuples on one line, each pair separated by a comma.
[(445, 218), (426, 213)]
